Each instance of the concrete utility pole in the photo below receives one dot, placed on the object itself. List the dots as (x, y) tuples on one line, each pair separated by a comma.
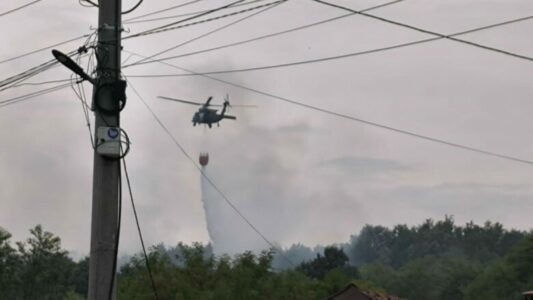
[(106, 106)]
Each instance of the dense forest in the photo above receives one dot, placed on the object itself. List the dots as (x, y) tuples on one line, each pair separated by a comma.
[(433, 260)]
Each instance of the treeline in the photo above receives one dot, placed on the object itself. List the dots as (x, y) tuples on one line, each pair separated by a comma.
[(440, 260), (400, 245), (39, 269), (434, 260), (193, 275)]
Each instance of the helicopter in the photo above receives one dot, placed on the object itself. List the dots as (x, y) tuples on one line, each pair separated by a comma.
[(206, 115)]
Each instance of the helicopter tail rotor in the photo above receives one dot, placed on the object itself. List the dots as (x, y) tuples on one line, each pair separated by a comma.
[(227, 103)]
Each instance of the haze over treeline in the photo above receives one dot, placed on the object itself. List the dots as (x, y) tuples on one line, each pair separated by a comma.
[(433, 260)]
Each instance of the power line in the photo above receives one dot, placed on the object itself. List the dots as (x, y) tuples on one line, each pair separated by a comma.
[(117, 237), (211, 182), (329, 58), (356, 119), (426, 31), (10, 81), (133, 8), (270, 6), (80, 94), (160, 28), (41, 83), (14, 100), (92, 4), (264, 36), (16, 80), (131, 21), (214, 18), (44, 48), (159, 11), (154, 289), (19, 8)]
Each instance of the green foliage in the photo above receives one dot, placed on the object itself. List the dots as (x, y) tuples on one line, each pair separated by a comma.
[(441, 260), (193, 275), (401, 244), (37, 268), (434, 260), (10, 281), (79, 278), (425, 278), (46, 268), (508, 277), (333, 259)]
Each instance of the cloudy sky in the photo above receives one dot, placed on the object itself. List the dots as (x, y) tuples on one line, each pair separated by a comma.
[(299, 175)]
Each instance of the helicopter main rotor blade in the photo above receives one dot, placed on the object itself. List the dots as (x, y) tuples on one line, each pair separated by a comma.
[(231, 105), (243, 105), (180, 100)]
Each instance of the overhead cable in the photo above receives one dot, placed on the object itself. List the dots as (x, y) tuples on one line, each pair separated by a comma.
[(18, 8), (214, 18), (262, 36), (159, 28), (25, 97), (15, 80), (80, 94), (329, 58), (357, 119), (44, 48), (133, 8), (131, 21), (92, 4), (41, 82), (268, 7), (110, 294), (146, 260), (443, 36)]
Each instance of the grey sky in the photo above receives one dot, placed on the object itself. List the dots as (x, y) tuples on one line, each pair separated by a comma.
[(299, 175)]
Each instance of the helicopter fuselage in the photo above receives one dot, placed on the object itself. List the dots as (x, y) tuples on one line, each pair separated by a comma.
[(209, 117)]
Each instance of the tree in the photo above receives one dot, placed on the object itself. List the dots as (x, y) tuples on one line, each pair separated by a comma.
[(333, 258), (372, 245), (46, 268), (505, 279), (79, 279), (9, 268)]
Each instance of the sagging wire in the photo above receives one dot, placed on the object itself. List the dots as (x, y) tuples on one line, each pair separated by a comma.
[(264, 9), (211, 19), (133, 8), (80, 94), (16, 80), (160, 11), (91, 4), (25, 97), (134, 20), (146, 259), (162, 27), (77, 82)]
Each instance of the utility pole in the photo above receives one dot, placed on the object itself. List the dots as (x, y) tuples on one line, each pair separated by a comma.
[(108, 100)]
